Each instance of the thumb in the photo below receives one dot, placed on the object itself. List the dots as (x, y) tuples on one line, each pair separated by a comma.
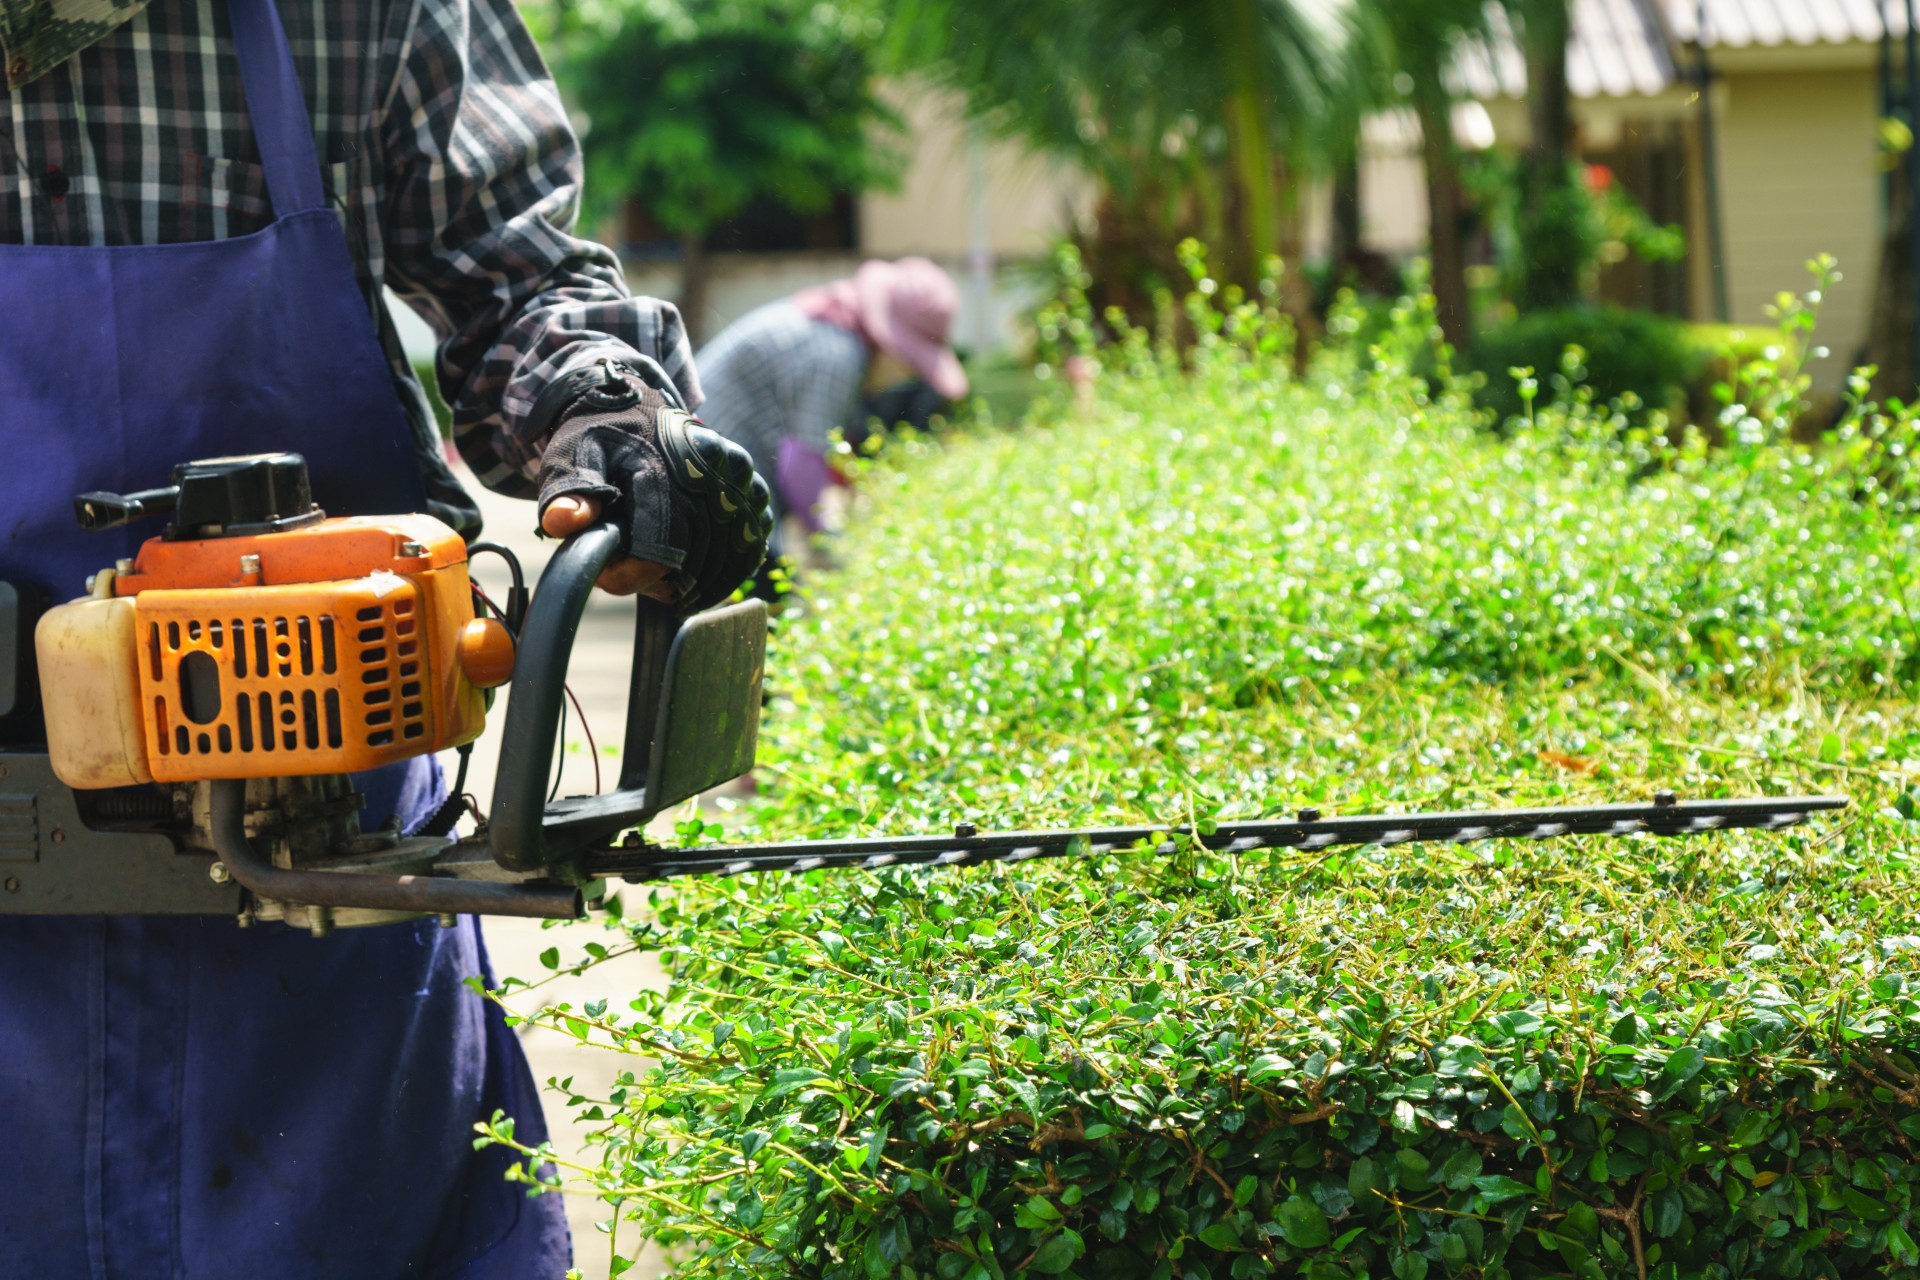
[(569, 515)]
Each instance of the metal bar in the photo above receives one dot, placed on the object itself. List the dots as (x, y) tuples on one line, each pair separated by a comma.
[(654, 627), (528, 740), (429, 895), (1892, 175), (1306, 831), (1710, 166), (1911, 43)]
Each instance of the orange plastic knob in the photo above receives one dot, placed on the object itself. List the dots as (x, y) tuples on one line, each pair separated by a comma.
[(485, 653)]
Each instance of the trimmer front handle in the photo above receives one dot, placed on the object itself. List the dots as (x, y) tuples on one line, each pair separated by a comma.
[(693, 712)]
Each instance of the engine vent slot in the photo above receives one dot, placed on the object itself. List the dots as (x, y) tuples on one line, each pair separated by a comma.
[(330, 677)]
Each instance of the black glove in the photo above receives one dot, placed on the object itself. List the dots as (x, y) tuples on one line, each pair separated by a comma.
[(681, 494)]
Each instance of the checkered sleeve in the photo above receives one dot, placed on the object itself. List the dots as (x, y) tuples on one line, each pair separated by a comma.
[(483, 180)]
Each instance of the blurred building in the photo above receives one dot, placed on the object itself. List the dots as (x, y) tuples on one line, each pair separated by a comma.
[(1753, 124)]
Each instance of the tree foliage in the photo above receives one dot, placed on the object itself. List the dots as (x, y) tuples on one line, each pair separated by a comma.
[(698, 108), (1553, 210), (1196, 116)]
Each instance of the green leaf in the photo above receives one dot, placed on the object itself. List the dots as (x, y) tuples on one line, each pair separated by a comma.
[(1901, 1245), (1037, 1214), (1681, 1066), (1830, 749), (1302, 1223), (550, 957), (788, 1079), (887, 1247), (1459, 1170), (1043, 1209), (1663, 1211), (1497, 1187), (1411, 1170), (1245, 1190), (1220, 1236), (1055, 1256)]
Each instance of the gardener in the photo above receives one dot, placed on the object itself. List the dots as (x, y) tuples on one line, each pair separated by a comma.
[(786, 375), (198, 207)]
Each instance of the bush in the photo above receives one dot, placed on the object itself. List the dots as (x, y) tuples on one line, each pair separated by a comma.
[(1621, 352), (1218, 591)]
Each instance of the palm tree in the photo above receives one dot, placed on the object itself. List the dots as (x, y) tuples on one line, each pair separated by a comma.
[(1196, 116), (1419, 39)]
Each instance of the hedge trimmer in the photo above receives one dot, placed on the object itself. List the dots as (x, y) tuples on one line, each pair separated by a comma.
[(207, 701)]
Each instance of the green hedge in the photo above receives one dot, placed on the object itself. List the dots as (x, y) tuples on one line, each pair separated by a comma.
[(1220, 591), (1431, 1063), (1622, 351)]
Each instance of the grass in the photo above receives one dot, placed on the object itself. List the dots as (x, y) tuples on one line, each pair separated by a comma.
[(1220, 589)]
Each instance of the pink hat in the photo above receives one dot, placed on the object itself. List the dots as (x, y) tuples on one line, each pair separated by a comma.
[(907, 309)]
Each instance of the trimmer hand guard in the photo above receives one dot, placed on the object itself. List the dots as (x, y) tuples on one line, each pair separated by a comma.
[(693, 713)]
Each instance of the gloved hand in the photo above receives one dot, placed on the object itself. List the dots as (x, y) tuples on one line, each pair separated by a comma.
[(685, 498)]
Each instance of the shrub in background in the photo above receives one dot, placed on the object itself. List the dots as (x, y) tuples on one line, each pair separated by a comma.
[(1621, 352), (1218, 590)]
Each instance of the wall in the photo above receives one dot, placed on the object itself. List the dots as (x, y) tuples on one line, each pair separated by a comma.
[(1029, 200), (977, 206), (1798, 178)]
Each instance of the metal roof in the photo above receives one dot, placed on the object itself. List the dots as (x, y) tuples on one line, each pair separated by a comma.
[(1744, 24), (1616, 48), (1624, 48)]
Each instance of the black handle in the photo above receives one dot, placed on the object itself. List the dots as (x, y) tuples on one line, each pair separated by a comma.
[(519, 828), (96, 511)]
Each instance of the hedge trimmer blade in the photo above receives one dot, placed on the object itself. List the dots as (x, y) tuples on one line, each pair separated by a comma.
[(1665, 816)]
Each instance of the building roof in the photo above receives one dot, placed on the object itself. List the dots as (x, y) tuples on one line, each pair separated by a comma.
[(1744, 24), (1616, 48), (1624, 48)]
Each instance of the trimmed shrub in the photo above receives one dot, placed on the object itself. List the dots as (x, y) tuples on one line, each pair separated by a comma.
[(1215, 591), (1621, 352)]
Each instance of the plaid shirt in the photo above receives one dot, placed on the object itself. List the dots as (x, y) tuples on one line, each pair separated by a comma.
[(446, 151), (778, 373)]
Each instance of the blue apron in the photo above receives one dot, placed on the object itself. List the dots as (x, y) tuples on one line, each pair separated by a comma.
[(184, 1098)]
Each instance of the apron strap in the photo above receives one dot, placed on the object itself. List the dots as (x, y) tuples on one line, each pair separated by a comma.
[(277, 106)]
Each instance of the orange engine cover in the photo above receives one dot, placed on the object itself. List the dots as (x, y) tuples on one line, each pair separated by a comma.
[(328, 649)]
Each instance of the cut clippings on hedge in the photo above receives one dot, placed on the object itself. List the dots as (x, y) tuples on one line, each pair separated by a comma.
[(1219, 589)]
